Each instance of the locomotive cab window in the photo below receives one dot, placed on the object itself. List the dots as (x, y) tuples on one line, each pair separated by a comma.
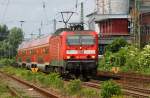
[(73, 40), (87, 40), (80, 40)]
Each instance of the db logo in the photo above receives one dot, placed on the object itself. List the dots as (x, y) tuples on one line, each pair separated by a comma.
[(81, 51)]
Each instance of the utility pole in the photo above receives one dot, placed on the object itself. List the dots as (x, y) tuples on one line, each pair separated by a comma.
[(54, 25), (82, 15), (39, 32), (21, 25), (139, 22), (137, 5), (136, 23), (76, 4)]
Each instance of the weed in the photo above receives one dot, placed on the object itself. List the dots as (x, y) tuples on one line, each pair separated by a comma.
[(89, 93), (74, 87), (109, 89)]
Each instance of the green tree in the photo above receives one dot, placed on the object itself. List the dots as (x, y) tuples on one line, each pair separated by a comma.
[(3, 32), (116, 45), (4, 48), (9, 41), (15, 37)]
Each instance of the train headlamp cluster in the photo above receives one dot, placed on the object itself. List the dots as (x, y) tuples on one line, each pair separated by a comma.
[(73, 57), (72, 54), (93, 57), (68, 57)]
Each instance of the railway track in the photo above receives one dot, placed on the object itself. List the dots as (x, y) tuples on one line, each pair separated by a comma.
[(37, 90), (127, 90), (14, 92), (123, 80), (125, 76)]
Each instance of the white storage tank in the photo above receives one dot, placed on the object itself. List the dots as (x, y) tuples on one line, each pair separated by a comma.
[(113, 6)]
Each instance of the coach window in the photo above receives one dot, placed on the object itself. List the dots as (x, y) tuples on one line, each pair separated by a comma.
[(43, 50), (46, 50), (19, 53), (37, 51), (87, 40), (23, 52), (32, 52)]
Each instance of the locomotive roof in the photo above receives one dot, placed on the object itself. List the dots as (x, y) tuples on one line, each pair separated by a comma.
[(60, 30), (34, 42), (44, 40)]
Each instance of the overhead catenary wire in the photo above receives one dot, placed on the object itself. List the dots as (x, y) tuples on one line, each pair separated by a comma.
[(45, 20)]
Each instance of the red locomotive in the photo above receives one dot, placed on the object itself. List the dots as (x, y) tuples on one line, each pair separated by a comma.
[(73, 52)]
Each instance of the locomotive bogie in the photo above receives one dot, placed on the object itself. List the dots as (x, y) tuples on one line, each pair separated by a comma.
[(82, 67)]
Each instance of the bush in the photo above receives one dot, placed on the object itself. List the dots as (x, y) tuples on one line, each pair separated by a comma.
[(132, 58), (116, 45), (127, 58), (5, 62), (110, 89), (144, 60), (105, 62)]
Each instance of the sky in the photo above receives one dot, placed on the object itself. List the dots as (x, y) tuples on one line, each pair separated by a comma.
[(40, 13)]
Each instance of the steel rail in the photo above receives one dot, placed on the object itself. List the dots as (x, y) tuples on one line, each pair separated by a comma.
[(14, 92), (122, 75)]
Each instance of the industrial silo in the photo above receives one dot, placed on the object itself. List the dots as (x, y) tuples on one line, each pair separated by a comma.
[(112, 6)]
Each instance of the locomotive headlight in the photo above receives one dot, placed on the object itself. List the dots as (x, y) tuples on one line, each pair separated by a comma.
[(68, 57), (93, 57)]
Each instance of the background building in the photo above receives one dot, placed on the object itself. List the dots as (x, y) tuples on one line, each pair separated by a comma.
[(120, 18)]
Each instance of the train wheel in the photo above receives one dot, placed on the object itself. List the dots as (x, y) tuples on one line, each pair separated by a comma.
[(58, 70), (47, 69), (27, 67), (23, 65)]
